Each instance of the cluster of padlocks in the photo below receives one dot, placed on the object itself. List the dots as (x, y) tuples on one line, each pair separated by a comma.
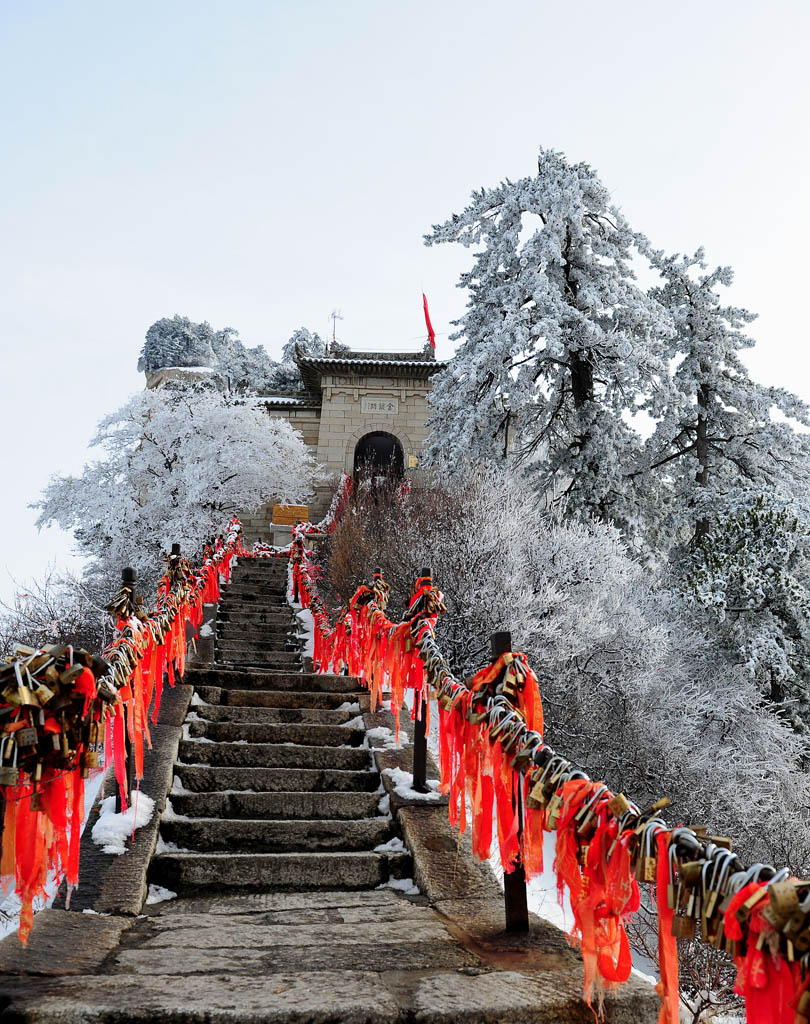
[(52, 711)]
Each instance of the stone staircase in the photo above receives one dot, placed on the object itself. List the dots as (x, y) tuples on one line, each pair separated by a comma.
[(272, 764), (274, 840)]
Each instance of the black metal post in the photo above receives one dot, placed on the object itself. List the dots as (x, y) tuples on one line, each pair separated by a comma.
[(514, 882), (419, 727), (128, 578)]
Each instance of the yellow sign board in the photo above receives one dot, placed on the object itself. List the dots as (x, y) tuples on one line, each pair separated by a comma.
[(289, 515)]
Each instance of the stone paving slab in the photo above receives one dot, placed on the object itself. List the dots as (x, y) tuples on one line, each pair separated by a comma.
[(295, 997), (63, 942)]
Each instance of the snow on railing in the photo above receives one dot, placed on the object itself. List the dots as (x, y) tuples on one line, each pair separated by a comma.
[(492, 753), (63, 709)]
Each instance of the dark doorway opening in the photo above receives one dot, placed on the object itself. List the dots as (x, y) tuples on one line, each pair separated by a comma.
[(378, 455)]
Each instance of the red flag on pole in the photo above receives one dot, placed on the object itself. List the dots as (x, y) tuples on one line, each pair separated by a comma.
[(431, 332)]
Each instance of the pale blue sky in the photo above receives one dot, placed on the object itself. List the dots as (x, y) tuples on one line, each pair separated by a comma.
[(258, 164)]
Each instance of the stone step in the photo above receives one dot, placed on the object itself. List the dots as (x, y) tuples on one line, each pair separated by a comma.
[(260, 583), (181, 872), (260, 642), (261, 732), (238, 611), (258, 659), (301, 805), (274, 716), (256, 566), (202, 778), (214, 696), (204, 834), (244, 680), (275, 603), (251, 595), (273, 755), (239, 629)]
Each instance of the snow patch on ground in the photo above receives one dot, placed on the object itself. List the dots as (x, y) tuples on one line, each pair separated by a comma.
[(197, 701), (112, 829), (355, 723), (403, 785), (384, 806), (169, 813), (206, 630), (394, 845), (306, 627), (352, 708), (167, 847), (381, 738), (404, 885), (178, 787), (157, 894)]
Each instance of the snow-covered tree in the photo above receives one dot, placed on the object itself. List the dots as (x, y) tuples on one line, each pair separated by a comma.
[(180, 342), (307, 341), (56, 609), (751, 575), (717, 431), (559, 343), (177, 465)]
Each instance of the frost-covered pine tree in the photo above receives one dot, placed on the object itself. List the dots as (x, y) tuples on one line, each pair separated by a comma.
[(559, 343), (180, 342), (718, 431), (309, 342), (177, 464)]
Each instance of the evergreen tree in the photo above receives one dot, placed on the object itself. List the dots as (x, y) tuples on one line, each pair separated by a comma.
[(717, 430), (559, 343)]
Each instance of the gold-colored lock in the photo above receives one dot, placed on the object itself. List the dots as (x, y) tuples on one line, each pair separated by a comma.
[(619, 805)]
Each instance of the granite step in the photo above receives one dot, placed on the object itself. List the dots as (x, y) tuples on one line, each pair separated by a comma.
[(268, 836), (203, 778), (281, 872), (249, 616), (293, 699), (297, 805), (246, 680), (274, 715), (276, 596), (259, 643), (309, 734), (273, 755), (242, 625), (258, 659)]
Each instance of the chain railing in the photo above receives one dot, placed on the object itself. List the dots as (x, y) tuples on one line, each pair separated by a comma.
[(494, 758), (63, 711)]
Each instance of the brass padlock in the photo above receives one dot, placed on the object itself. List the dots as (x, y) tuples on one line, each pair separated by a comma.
[(619, 805), (9, 773), (43, 694)]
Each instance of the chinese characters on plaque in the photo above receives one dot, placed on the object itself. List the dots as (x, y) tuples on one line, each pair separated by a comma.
[(386, 406)]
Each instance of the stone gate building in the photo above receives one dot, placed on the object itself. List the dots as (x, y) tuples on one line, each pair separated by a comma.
[(361, 411)]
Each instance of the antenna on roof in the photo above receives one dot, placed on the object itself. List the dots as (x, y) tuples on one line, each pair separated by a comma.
[(334, 316)]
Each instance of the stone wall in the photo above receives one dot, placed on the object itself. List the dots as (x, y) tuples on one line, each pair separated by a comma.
[(354, 406)]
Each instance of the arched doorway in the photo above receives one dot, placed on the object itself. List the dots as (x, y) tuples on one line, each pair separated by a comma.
[(378, 455)]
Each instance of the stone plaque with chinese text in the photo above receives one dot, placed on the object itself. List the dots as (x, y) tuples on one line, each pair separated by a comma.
[(379, 406)]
